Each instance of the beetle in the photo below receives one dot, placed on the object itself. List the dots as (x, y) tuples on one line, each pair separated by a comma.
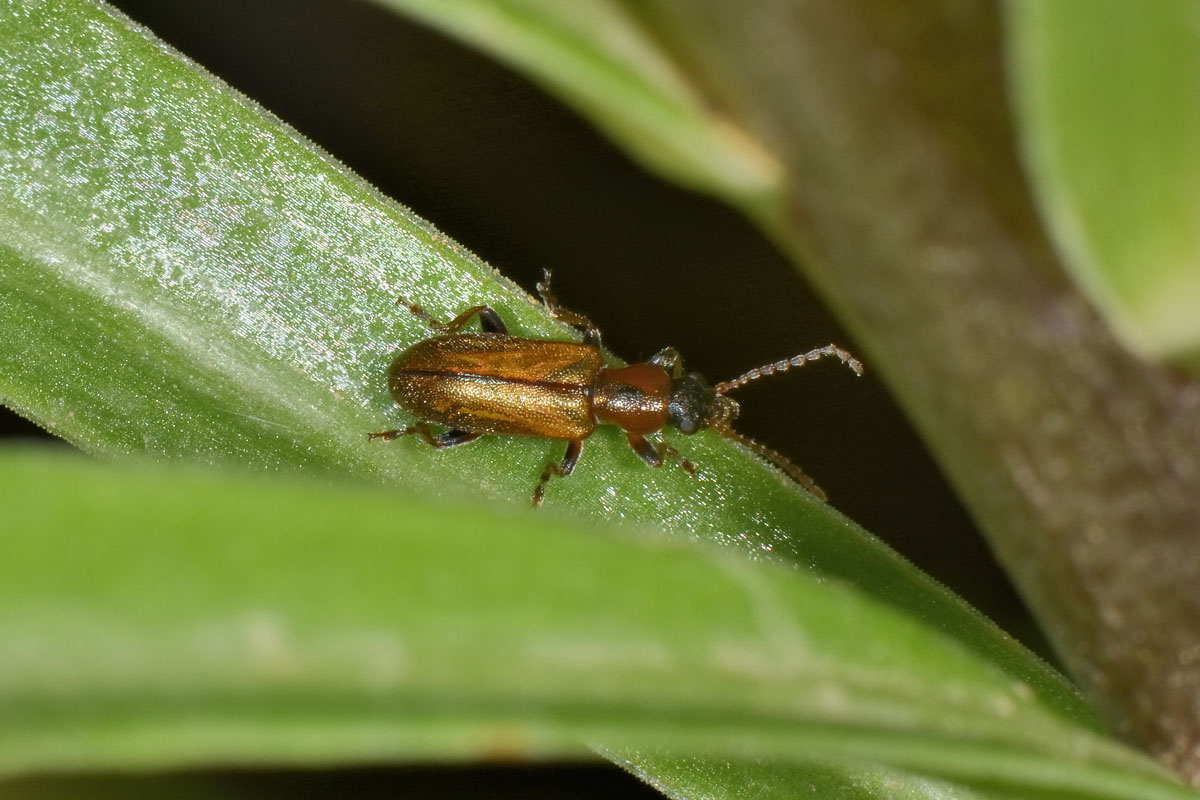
[(495, 383)]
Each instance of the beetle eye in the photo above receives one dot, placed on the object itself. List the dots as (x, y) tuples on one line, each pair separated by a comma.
[(688, 407)]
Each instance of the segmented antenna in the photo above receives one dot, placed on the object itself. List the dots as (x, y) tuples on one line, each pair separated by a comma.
[(776, 458), (783, 366)]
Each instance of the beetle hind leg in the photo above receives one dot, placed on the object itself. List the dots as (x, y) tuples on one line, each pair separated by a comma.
[(654, 455), (489, 320), (559, 469), (450, 438)]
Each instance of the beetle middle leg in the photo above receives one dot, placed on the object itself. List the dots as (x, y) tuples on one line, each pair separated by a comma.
[(489, 320), (450, 438), (560, 469), (655, 455), (591, 334)]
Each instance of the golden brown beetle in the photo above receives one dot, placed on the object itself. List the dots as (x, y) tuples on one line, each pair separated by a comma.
[(491, 382)]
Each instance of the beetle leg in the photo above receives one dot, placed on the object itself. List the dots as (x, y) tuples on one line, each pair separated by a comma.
[(654, 455), (669, 359), (489, 320), (562, 469), (591, 334), (419, 312), (450, 438), (645, 451)]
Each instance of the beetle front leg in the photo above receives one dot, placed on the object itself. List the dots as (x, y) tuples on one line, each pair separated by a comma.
[(561, 469), (591, 334), (669, 359), (654, 456), (450, 438)]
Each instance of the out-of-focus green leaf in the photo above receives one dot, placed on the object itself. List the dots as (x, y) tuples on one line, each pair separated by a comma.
[(171, 617), (700, 777), (596, 56), (1108, 101)]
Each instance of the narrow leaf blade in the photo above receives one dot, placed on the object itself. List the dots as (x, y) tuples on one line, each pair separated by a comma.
[(180, 618)]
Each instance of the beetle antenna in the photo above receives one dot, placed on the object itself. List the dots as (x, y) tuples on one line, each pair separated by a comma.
[(783, 366), (776, 458)]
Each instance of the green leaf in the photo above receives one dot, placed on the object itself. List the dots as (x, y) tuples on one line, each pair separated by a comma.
[(182, 276), (168, 617), (1108, 97), (596, 56), (767, 780), (904, 203)]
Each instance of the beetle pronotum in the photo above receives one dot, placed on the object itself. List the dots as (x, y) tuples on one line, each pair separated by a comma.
[(492, 382)]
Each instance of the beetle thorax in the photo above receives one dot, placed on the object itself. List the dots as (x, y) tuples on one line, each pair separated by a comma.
[(633, 397)]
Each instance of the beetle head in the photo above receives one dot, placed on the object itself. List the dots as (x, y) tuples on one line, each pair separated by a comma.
[(694, 404)]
